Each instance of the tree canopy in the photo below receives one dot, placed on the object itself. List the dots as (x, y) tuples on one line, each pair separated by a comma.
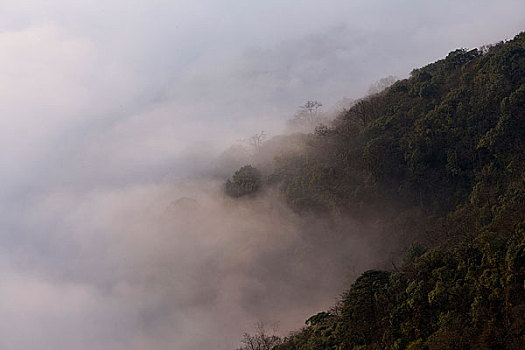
[(245, 181), (437, 159)]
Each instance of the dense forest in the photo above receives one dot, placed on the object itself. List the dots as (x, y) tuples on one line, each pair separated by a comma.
[(436, 164)]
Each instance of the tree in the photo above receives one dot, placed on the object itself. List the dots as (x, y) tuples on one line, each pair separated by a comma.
[(308, 116), (256, 141), (246, 180), (261, 340)]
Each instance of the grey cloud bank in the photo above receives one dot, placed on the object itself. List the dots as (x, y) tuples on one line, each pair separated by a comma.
[(106, 106)]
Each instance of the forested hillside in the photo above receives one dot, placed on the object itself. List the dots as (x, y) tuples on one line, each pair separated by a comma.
[(437, 163)]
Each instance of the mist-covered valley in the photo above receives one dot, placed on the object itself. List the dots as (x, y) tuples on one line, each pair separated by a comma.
[(122, 121)]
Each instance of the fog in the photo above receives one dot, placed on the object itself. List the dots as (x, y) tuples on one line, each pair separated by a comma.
[(114, 233)]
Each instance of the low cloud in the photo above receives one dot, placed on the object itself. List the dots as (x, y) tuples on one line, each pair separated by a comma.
[(145, 270), (107, 109)]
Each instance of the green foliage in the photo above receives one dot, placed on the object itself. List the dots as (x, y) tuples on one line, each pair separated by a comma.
[(318, 318), (471, 296), (444, 150), (423, 142), (245, 181)]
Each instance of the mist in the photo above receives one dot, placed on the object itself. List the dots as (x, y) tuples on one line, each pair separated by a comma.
[(115, 233)]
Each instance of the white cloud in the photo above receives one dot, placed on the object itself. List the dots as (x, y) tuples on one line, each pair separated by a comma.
[(104, 103)]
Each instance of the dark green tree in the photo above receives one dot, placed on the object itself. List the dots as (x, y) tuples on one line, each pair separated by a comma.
[(245, 181)]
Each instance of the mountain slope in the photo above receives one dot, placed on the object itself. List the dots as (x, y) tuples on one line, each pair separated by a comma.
[(438, 160)]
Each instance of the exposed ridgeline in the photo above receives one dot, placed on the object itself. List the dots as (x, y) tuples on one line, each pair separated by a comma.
[(438, 158)]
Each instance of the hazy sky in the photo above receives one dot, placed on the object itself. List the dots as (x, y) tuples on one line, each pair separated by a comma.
[(104, 105)]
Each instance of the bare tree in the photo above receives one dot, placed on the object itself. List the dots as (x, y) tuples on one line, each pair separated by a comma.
[(308, 116), (254, 143), (311, 106), (261, 340)]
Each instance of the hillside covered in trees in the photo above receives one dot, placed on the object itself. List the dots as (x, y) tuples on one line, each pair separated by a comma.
[(436, 165)]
